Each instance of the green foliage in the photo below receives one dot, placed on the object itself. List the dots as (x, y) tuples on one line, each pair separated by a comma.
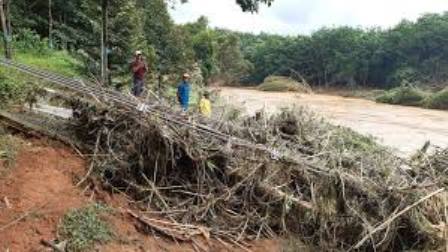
[(28, 40), (10, 88), (350, 140), (56, 61), (82, 228), (205, 49), (133, 25), (415, 52), (230, 60), (438, 100), (15, 87), (403, 95), (9, 146), (282, 84), (252, 5), (167, 41), (405, 76), (344, 56)]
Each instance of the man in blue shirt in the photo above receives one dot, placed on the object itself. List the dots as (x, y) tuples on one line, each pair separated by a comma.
[(183, 92)]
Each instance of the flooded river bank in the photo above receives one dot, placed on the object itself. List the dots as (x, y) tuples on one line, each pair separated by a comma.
[(404, 129)]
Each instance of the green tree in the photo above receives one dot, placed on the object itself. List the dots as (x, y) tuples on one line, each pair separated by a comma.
[(230, 60), (164, 37)]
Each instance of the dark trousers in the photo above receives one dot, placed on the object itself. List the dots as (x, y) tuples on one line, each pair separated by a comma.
[(137, 89)]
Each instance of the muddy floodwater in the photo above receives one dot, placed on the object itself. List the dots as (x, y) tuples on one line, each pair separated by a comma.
[(405, 129)]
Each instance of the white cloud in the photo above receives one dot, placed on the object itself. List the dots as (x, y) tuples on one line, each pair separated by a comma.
[(304, 16)]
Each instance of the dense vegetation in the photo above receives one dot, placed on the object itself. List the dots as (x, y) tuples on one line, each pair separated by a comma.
[(414, 52), (76, 26), (410, 53)]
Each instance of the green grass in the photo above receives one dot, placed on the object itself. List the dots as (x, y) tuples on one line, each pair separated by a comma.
[(282, 84), (438, 100), (56, 61), (84, 227), (409, 96)]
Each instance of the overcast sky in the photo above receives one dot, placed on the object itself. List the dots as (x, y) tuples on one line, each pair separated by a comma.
[(293, 17)]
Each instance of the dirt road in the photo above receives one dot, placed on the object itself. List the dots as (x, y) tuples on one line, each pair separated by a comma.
[(403, 128)]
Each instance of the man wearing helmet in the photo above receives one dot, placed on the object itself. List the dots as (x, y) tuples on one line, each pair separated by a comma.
[(139, 69)]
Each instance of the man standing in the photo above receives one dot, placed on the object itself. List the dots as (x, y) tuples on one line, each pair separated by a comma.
[(183, 92), (139, 69)]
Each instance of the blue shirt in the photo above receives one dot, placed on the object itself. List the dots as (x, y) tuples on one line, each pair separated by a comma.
[(183, 90)]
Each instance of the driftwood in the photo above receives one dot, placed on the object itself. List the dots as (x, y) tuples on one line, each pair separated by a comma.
[(290, 173), (7, 203), (55, 247), (176, 231)]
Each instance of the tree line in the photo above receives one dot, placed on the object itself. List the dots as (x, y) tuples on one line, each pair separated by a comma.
[(410, 52)]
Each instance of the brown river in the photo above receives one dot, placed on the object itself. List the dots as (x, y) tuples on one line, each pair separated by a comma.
[(404, 129)]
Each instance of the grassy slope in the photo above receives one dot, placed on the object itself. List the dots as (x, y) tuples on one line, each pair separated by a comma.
[(14, 85), (57, 61)]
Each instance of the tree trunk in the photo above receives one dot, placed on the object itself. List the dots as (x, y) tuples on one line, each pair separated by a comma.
[(6, 39), (104, 36), (8, 17), (50, 24)]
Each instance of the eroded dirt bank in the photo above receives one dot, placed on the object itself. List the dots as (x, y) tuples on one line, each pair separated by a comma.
[(39, 189), (402, 128)]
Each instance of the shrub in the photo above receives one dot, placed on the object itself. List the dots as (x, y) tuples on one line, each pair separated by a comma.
[(27, 40), (283, 84), (11, 87), (438, 100), (82, 228), (403, 95), (9, 146)]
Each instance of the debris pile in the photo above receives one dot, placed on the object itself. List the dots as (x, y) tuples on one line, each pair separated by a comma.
[(292, 174)]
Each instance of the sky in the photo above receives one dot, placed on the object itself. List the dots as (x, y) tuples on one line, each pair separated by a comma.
[(292, 17)]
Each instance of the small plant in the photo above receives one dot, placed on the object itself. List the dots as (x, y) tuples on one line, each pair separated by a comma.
[(82, 228), (27, 40), (283, 84), (403, 95), (9, 146), (9, 88), (438, 100)]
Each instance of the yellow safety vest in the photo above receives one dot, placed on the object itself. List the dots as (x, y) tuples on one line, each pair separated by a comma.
[(205, 107)]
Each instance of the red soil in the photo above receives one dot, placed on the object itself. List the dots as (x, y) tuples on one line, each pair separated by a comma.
[(40, 187)]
